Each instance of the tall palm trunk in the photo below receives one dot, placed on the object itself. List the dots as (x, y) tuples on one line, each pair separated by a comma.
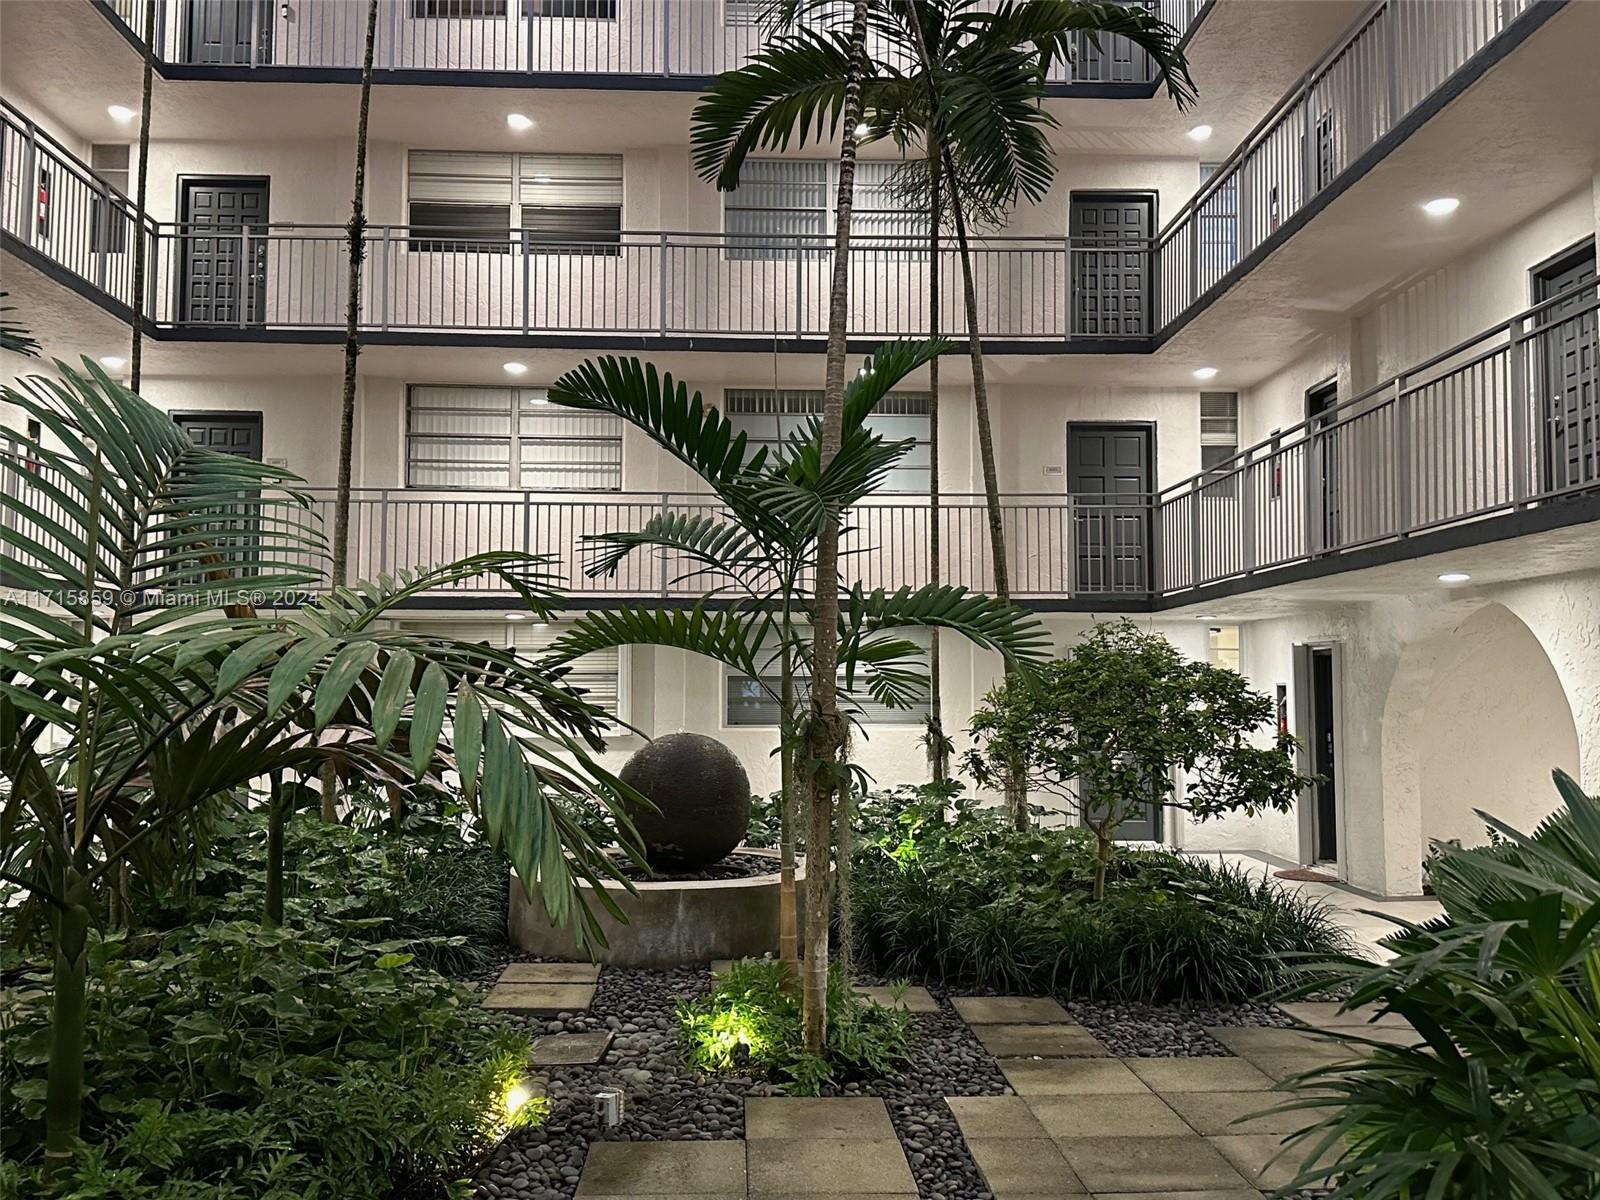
[(68, 1019), (788, 809), (938, 754), (355, 233), (136, 354), (825, 731), (278, 809)]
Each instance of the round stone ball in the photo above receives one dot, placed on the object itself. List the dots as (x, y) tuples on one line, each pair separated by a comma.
[(701, 796)]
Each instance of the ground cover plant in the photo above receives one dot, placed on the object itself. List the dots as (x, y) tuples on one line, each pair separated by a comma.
[(1501, 1101), (945, 890), (751, 1022), (228, 1060)]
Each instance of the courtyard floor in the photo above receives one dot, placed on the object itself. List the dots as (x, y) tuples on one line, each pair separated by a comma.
[(1006, 1097)]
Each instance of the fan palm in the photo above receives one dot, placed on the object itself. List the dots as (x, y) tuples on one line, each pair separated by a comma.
[(971, 101), (757, 561), (138, 685), (1500, 1096)]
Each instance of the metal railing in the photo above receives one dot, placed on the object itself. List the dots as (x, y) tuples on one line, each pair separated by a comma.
[(1385, 67), (690, 38), (1508, 419)]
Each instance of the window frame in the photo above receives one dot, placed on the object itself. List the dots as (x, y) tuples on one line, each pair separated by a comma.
[(515, 234), (914, 717), (514, 439), (826, 215), (731, 395)]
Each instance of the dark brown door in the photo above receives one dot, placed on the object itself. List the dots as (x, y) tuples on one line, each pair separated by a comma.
[(1568, 360), (231, 432), (221, 33), (224, 269), (1108, 477), (1322, 467), (1325, 845), (1111, 264)]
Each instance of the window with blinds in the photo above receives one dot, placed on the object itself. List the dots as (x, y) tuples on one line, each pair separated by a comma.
[(557, 203), (602, 676), (109, 162), (783, 208), (749, 702), (767, 418), (488, 437), (1219, 439)]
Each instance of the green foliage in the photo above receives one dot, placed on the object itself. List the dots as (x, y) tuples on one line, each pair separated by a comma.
[(230, 1061), (751, 1022), (946, 890), (439, 891), (1502, 1102), (1108, 727)]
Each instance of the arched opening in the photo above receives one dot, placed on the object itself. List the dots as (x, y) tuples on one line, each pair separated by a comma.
[(1494, 721)]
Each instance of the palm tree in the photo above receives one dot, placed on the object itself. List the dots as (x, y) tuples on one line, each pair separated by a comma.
[(972, 102), (138, 685)]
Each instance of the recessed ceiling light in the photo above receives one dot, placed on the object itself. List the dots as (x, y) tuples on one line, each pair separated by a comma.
[(863, 129), (1442, 207), (122, 113), (1454, 577), (541, 625), (514, 368), (1200, 133), (519, 122), (1205, 373), (114, 363), (516, 616), (541, 179)]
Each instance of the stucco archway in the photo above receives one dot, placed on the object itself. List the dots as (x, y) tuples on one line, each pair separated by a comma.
[(1476, 718)]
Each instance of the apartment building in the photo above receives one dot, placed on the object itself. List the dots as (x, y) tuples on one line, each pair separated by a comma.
[(1307, 377)]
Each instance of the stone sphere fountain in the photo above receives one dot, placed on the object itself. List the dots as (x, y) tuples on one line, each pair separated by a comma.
[(700, 901)]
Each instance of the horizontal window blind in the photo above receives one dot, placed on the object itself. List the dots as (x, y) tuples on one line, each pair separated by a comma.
[(767, 418), (597, 675), (748, 701), (780, 200), (559, 202), (466, 437)]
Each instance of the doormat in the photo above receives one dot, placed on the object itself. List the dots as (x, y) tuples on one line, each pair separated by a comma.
[(1305, 875)]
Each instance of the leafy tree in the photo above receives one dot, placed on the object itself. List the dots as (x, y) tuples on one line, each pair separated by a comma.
[(970, 110), (138, 685), (1108, 727)]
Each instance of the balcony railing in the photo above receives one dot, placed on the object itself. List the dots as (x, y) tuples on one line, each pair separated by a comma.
[(1398, 56), (664, 38), (1506, 420)]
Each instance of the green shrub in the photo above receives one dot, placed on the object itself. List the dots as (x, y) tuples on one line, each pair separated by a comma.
[(430, 886), (948, 891), (751, 1022), (231, 1061), (1502, 1102)]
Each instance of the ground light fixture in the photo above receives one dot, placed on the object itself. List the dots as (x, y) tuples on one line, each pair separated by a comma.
[(1204, 373), (1200, 133), (121, 113), (1442, 207), (517, 1095), (514, 368), (1454, 577), (519, 122)]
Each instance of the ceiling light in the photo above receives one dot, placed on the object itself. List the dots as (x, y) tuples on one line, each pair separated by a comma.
[(1204, 373), (516, 616), (112, 362), (1442, 207), (514, 368), (863, 129), (1200, 133), (519, 122), (1454, 577), (541, 179), (122, 113)]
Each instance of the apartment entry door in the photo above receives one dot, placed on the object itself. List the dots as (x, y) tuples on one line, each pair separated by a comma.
[(223, 271), (1110, 234), (1109, 471), (228, 33), (1568, 361), (1316, 683), (1322, 467), (230, 432)]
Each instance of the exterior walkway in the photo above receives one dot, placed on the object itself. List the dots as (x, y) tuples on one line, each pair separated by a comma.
[(1081, 1123), (1351, 909)]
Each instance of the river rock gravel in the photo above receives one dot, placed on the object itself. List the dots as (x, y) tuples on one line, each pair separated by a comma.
[(667, 1102)]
